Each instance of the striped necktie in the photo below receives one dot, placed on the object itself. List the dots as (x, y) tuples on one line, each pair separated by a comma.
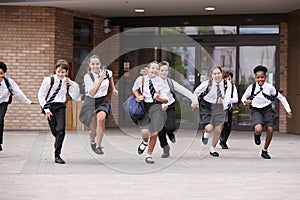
[(219, 93), (47, 105), (152, 90)]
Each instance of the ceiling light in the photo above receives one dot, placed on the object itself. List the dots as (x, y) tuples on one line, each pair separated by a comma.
[(139, 10), (210, 8)]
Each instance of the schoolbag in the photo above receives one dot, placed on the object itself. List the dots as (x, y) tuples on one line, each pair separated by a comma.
[(269, 97), (208, 88), (8, 85)]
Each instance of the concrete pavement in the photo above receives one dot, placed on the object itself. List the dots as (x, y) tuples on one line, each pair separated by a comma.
[(27, 170)]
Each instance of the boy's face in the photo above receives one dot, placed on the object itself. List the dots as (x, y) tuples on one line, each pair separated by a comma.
[(153, 70), (260, 78), (2, 74), (163, 71), (217, 75), (61, 73), (95, 65)]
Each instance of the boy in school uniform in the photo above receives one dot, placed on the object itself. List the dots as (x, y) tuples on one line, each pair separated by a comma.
[(52, 99), (8, 87), (228, 123), (170, 125), (259, 97)]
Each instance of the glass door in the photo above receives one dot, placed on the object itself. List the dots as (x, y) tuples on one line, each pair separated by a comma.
[(182, 60)]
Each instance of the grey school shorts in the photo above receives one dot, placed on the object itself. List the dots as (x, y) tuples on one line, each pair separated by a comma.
[(264, 116)]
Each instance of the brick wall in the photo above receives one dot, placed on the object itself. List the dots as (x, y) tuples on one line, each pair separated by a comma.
[(31, 40), (283, 74)]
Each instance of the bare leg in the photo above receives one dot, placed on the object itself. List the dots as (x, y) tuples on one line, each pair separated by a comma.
[(93, 127), (258, 129), (152, 143), (101, 116), (217, 132), (145, 135), (269, 135)]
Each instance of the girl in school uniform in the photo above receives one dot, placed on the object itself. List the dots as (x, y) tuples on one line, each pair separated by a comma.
[(259, 97), (153, 95), (8, 87), (97, 83), (52, 99), (212, 107), (170, 124)]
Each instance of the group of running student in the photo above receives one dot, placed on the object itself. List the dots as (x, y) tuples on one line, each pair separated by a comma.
[(215, 107), (214, 97)]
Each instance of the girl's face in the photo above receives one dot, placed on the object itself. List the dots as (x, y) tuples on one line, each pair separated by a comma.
[(153, 70), (217, 75), (260, 78), (61, 73), (2, 74), (163, 72), (95, 65)]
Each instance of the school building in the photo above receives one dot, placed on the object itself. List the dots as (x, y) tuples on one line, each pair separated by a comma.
[(34, 34)]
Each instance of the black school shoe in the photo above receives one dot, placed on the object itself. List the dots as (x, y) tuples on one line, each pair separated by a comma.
[(214, 154), (59, 160), (265, 155), (223, 145), (1, 147), (257, 139)]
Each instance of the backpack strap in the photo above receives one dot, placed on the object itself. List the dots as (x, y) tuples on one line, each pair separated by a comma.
[(232, 88), (252, 91), (8, 85), (203, 94), (271, 97), (170, 83), (92, 76), (225, 85), (51, 84)]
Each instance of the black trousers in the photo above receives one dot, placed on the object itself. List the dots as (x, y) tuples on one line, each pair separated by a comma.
[(169, 127), (3, 109), (57, 125), (226, 127)]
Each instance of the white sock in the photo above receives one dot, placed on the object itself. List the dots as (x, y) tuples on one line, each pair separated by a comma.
[(265, 149), (144, 145), (212, 149), (93, 142), (148, 155), (206, 135)]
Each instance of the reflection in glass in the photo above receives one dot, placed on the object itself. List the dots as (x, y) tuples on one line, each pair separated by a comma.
[(199, 30)]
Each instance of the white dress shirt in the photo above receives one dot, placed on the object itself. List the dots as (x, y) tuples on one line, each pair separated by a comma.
[(61, 95), (4, 92), (180, 89), (89, 84), (158, 85), (211, 97), (260, 101)]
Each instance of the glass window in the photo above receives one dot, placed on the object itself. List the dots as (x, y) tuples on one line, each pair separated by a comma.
[(199, 30), (83, 31), (259, 29)]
